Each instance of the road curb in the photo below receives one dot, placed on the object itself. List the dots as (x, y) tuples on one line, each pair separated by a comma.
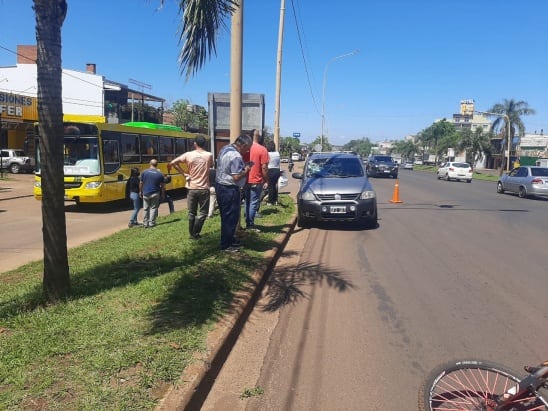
[(196, 381)]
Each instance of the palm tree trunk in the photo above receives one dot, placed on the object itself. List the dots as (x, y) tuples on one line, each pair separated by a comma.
[(50, 15)]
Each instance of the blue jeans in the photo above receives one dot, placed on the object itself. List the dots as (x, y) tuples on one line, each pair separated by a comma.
[(136, 206), (252, 202), (228, 199)]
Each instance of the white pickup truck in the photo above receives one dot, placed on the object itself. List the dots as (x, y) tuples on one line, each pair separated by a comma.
[(16, 161)]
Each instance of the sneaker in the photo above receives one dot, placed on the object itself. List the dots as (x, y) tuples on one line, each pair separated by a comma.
[(231, 249), (253, 229), (258, 215)]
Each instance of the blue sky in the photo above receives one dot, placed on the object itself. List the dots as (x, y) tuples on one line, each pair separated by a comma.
[(417, 59)]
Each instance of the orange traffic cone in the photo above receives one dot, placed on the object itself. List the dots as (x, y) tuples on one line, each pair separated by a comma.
[(396, 195)]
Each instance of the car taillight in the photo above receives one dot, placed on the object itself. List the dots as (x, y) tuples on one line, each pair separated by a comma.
[(537, 181), (451, 169)]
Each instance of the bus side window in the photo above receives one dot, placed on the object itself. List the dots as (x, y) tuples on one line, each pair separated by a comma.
[(111, 156), (166, 149), (180, 146), (130, 147), (149, 147)]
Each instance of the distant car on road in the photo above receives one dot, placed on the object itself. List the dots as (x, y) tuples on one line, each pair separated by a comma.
[(381, 165), (335, 187), (525, 181), (452, 170), (284, 160), (408, 165)]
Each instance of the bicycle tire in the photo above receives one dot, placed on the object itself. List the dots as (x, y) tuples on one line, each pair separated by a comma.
[(472, 385)]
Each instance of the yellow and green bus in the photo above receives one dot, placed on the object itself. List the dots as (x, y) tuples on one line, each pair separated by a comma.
[(99, 158)]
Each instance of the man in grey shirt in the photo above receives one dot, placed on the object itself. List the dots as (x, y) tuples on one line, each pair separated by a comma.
[(230, 178)]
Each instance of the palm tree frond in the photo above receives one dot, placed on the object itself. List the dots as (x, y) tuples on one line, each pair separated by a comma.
[(202, 20)]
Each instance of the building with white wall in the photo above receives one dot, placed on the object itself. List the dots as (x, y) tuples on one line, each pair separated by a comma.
[(87, 96)]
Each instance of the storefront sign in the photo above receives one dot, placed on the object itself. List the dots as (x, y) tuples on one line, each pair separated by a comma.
[(19, 107)]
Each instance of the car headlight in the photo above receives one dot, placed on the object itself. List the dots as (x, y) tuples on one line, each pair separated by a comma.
[(308, 196), (367, 195), (93, 184)]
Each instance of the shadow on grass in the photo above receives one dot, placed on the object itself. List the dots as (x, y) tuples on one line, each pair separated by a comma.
[(201, 283), (205, 296)]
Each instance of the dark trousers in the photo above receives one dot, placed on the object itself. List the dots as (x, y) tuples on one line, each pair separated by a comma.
[(228, 199), (198, 207), (273, 177)]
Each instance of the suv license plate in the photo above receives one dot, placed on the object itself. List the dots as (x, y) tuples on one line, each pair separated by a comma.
[(338, 210)]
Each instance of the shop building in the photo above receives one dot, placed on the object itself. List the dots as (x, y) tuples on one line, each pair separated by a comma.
[(87, 96)]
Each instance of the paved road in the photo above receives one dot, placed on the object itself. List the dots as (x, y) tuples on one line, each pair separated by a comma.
[(354, 319), (21, 222)]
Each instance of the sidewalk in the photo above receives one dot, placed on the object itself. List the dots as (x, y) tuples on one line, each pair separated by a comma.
[(16, 185)]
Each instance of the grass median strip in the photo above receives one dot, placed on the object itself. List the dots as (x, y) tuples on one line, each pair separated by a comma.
[(142, 304)]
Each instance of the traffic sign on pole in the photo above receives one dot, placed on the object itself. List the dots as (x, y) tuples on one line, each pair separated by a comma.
[(296, 134)]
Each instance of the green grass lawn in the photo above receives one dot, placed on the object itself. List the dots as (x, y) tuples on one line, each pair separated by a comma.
[(142, 304)]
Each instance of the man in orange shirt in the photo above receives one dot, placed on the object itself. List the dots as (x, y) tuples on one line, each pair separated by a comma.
[(199, 162), (257, 180)]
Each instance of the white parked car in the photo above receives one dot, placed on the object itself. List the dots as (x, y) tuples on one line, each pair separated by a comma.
[(455, 171)]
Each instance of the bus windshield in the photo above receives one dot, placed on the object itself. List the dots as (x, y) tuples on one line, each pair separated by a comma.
[(81, 156)]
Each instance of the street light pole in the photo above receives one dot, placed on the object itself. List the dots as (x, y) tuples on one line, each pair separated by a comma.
[(508, 134), (323, 88)]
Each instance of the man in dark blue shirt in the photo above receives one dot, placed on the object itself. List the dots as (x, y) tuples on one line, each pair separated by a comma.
[(152, 190)]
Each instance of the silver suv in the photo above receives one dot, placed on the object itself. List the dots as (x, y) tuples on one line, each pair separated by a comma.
[(335, 187), (16, 161)]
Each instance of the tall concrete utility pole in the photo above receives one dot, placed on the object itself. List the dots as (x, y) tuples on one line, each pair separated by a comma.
[(236, 45), (279, 77)]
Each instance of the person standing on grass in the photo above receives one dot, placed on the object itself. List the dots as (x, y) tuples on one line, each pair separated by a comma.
[(273, 173), (230, 177), (133, 185), (256, 181), (152, 190), (199, 162), (168, 199)]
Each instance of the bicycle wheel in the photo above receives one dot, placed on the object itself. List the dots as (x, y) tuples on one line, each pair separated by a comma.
[(472, 385)]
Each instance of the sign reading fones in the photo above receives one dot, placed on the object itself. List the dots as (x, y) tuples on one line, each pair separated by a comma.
[(17, 106)]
